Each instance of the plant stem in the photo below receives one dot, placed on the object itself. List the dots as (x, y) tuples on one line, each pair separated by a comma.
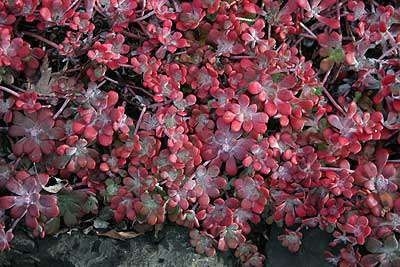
[(111, 80), (126, 66), (11, 92), (388, 52), (61, 108), (140, 89), (144, 7), (41, 38), (131, 35), (335, 169), (245, 19), (242, 57), (139, 121), (337, 106), (16, 221), (151, 13), (394, 161), (308, 30)]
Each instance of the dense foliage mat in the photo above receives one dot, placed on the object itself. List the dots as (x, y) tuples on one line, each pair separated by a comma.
[(215, 115)]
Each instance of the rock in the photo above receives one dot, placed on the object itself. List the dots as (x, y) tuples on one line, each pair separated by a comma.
[(311, 253), (23, 243), (79, 250), (173, 250)]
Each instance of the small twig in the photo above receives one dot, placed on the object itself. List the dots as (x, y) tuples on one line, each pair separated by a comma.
[(335, 169), (233, 3), (245, 19), (74, 186), (111, 80), (65, 71), (337, 106), (151, 13), (139, 121), (242, 57), (131, 35), (140, 89), (101, 83), (11, 92), (392, 40), (126, 66), (17, 88), (388, 52), (394, 161), (155, 105), (41, 38), (17, 220), (144, 7), (307, 36), (64, 105), (72, 6), (308, 30), (180, 53), (98, 10), (326, 76)]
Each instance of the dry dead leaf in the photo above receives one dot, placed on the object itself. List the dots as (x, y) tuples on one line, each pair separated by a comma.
[(119, 235), (55, 188), (43, 85)]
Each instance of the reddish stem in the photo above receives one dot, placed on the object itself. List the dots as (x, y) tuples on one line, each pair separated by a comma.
[(338, 107), (139, 120), (41, 38), (242, 57), (131, 35)]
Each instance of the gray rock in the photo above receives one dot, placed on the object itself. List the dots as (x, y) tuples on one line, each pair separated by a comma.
[(79, 250), (311, 253), (23, 243)]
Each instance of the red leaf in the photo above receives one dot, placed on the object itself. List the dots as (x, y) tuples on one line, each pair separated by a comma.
[(45, 13)]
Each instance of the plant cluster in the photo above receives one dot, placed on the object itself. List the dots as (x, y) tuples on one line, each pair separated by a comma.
[(212, 114)]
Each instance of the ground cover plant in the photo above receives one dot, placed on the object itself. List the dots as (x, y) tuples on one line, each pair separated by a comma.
[(216, 115)]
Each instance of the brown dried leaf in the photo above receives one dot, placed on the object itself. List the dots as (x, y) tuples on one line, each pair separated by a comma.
[(43, 85), (60, 184), (119, 235)]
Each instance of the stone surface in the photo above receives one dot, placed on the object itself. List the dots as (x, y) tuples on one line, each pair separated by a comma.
[(170, 249), (79, 250), (311, 253)]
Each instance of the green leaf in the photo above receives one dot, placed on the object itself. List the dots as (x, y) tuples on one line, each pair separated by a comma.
[(318, 91), (100, 224), (111, 189), (373, 245), (212, 17), (391, 243), (52, 226), (70, 204), (277, 77), (91, 205), (357, 96), (106, 213), (336, 55)]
